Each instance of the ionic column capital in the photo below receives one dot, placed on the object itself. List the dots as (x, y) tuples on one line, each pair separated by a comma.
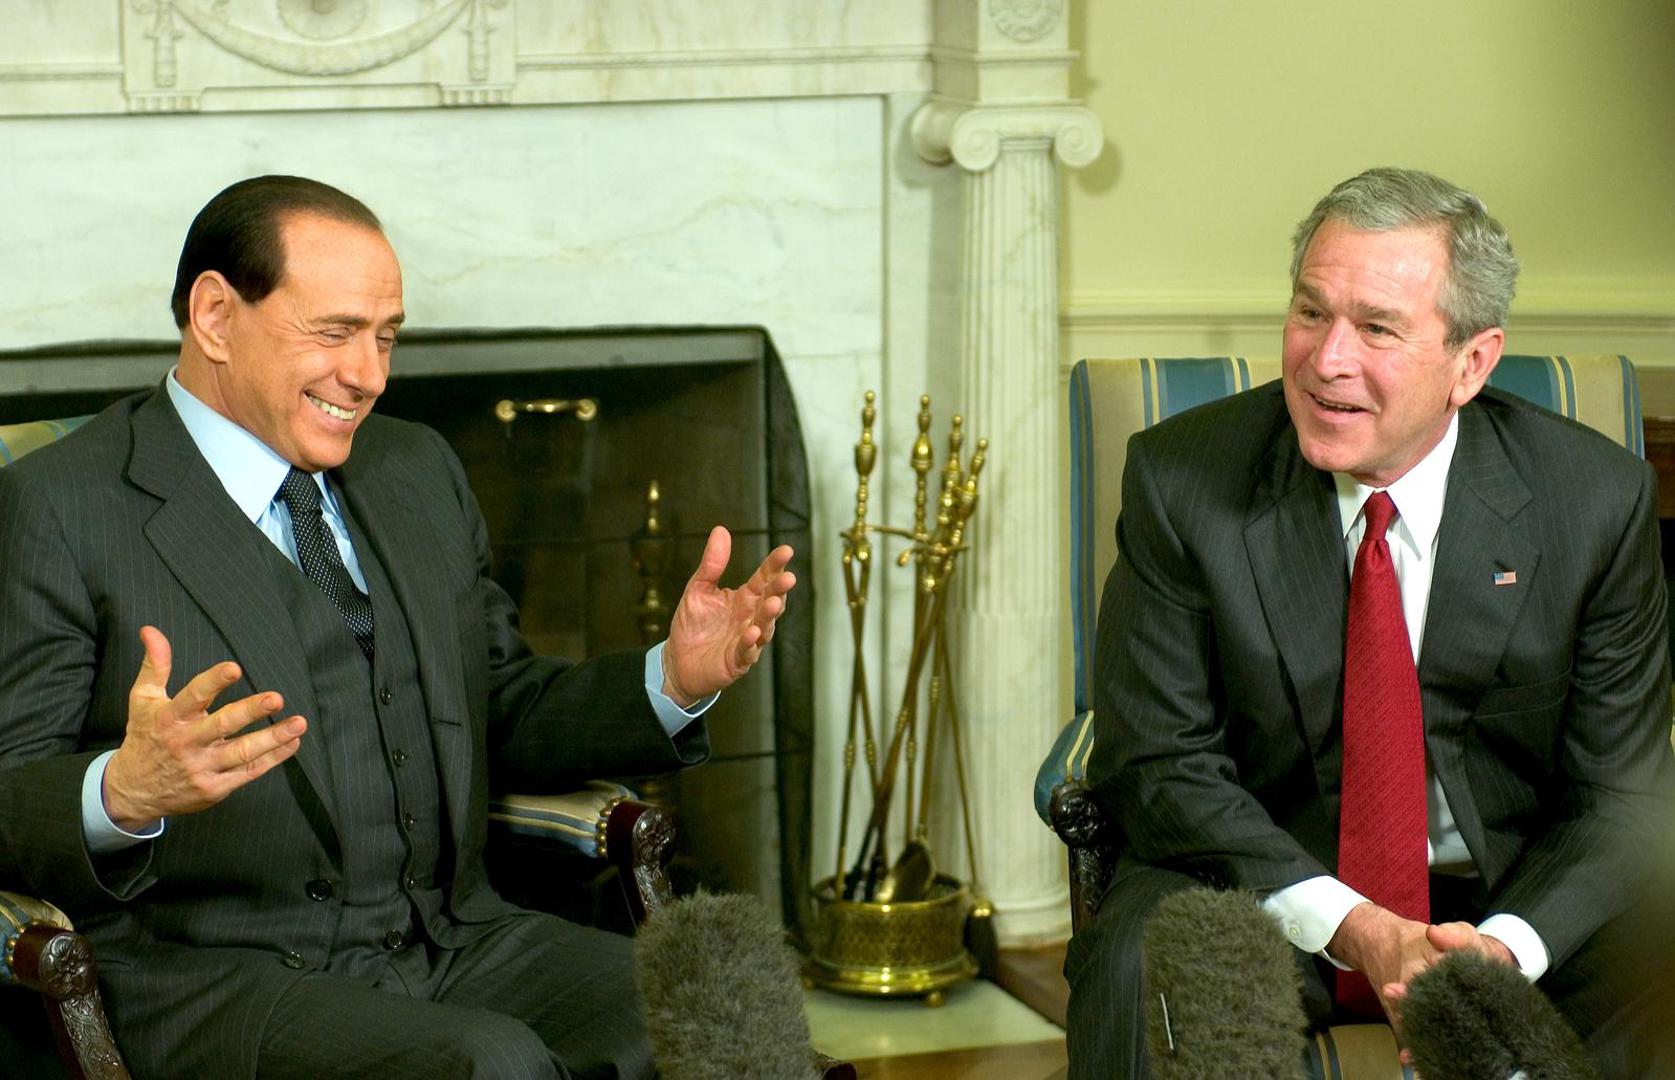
[(972, 135)]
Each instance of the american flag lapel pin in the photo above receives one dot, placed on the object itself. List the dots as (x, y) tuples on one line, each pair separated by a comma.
[(1506, 577)]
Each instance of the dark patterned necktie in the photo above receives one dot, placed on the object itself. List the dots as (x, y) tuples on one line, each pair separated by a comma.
[(1381, 822), (317, 552)]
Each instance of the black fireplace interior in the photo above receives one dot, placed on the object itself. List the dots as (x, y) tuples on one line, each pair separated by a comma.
[(707, 414)]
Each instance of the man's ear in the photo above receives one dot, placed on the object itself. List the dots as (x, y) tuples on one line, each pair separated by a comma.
[(1477, 358), (209, 315)]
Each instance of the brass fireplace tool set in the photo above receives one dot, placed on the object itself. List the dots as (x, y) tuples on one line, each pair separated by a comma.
[(897, 926)]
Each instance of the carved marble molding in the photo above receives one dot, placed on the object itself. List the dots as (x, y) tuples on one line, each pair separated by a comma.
[(971, 135), (1025, 20), (275, 55), (176, 50)]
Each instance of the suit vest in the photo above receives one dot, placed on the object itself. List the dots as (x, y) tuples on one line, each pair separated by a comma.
[(386, 792)]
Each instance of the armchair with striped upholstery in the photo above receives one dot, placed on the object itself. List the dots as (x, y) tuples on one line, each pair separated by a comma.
[(40, 950), (1109, 401)]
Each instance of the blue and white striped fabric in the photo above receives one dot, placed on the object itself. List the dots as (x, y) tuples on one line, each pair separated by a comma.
[(17, 440)]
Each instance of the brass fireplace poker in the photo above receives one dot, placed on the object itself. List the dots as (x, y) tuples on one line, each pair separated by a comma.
[(857, 576)]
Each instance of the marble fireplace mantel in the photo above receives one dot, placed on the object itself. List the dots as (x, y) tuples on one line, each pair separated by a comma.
[(146, 56), (572, 163)]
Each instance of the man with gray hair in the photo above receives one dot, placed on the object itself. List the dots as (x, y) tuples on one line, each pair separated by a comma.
[(1387, 648)]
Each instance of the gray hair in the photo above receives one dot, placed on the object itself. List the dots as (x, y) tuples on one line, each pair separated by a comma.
[(1482, 271)]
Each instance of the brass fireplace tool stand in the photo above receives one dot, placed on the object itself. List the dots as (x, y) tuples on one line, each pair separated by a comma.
[(897, 926)]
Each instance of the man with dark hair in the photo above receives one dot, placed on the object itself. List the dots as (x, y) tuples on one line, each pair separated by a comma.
[(290, 884), (1387, 648), (236, 234)]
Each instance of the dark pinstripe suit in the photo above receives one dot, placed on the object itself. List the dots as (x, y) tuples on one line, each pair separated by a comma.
[(1220, 653), (124, 524)]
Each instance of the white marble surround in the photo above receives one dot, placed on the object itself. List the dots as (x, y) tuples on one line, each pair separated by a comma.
[(571, 163)]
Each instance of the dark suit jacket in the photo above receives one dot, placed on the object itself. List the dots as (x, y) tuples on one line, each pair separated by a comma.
[(1546, 702), (123, 524)]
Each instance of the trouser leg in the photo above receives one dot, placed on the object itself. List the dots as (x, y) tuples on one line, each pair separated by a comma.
[(572, 985), (1106, 1020)]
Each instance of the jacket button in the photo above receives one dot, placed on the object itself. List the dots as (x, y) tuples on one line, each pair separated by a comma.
[(384, 695), (410, 881), (399, 757), (408, 821), (319, 889), (392, 941), (292, 959)]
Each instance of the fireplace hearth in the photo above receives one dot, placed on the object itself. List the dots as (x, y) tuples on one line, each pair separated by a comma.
[(706, 414)]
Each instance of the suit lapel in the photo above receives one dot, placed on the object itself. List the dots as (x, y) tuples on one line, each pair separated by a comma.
[(1295, 544), (211, 549), (1473, 603), (402, 535)]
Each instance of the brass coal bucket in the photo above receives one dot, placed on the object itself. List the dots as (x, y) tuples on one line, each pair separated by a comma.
[(912, 948)]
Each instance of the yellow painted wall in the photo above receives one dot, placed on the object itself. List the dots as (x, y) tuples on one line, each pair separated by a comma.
[(1226, 119)]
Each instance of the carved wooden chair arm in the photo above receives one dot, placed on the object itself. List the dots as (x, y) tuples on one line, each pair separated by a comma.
[(639, 841), (1093, 841), (601, 821), (43, 953)]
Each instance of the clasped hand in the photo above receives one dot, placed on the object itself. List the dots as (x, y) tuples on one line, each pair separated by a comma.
[(1391, 950), (717, 634), (178, 756)]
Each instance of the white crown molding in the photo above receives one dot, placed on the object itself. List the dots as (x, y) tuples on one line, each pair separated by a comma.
[(1648, 301), (702, 58), (51, 72)]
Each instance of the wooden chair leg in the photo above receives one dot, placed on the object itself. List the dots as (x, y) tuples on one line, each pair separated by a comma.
[(58, 964)]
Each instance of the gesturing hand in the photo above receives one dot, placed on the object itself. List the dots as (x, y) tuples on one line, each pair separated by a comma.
[(716, 634), (177, 757)]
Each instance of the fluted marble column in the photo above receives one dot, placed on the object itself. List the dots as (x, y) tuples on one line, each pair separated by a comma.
[(1011, 609)]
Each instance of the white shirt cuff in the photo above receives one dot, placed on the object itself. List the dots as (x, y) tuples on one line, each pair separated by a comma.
[(669, 714), (1519, 936), (1311, 911), (101, 834)]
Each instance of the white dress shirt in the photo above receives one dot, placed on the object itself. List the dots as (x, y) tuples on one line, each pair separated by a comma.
[(1311, 911), (251, 473)]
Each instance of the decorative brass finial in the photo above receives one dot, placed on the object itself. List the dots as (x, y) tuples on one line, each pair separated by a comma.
[(649, 548)]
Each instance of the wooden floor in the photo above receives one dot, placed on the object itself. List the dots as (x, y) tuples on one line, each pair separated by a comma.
[(1033, 976), (1020, 1061), (1036, 978)]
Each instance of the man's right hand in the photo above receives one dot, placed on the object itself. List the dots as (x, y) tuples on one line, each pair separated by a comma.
[(178, 757), (1386, 948)]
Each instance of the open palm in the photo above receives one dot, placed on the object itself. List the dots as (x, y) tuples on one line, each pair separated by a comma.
[(717, 634)]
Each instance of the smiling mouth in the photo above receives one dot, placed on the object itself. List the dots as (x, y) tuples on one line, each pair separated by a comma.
[(331, 410), (1335, 406)]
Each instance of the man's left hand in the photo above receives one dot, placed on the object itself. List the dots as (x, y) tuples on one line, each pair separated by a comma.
[(1446, 938), (717, 634)]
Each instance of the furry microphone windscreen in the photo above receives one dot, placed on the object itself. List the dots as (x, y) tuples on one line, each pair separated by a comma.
[(1221, 989), (1469, 1017), (721, 993)]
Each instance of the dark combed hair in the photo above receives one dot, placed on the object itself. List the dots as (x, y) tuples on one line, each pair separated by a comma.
[(236, 234)]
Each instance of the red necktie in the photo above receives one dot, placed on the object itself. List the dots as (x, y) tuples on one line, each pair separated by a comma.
[(1381, 822)]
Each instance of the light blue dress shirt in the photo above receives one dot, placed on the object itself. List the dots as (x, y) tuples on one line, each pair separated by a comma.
[(251, 472)]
